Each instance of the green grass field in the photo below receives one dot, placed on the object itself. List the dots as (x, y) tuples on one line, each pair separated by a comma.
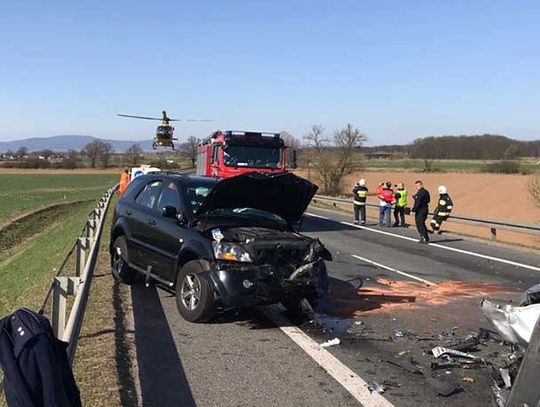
[(442, 165), (34, 246), (21, 193)]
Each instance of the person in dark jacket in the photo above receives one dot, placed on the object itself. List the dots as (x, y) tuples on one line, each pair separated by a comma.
[(421, 210), (359, 201), (442, 211), (35, 364)]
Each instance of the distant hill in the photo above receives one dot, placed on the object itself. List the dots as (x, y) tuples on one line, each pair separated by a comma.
[(65, 143)]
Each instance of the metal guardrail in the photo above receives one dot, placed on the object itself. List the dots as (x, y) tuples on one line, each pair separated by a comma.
[(470, 220), (78, 285)]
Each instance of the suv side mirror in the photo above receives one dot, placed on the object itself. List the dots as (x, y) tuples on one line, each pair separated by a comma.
[(169, 212)]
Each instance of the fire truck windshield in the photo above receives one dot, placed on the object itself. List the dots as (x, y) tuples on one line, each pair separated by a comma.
[(252, 156)]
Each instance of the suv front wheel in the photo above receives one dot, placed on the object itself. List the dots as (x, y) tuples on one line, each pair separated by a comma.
[(194, 298)]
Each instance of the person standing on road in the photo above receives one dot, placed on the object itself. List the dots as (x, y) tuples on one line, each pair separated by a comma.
[(379, 193), (401, 202), (359, 201), (442, 211), (386, 201), (421, 210), (124, 181)]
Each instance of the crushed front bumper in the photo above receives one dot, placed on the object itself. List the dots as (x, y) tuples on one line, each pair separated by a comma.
[(246, 285)]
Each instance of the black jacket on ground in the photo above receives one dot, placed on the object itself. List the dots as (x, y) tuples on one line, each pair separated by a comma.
[(421, 201), (35, 364)]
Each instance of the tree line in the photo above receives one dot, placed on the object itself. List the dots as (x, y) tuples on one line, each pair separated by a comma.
[(482, 147)]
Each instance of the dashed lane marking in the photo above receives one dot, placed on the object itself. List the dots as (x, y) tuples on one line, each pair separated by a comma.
[(354, 384), (440, 246), (423, 280)]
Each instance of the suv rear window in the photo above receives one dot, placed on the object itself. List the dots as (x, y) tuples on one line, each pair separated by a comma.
[(148, 196)]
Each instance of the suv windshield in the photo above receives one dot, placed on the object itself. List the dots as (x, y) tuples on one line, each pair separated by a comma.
[(195, 195), (249, 156)]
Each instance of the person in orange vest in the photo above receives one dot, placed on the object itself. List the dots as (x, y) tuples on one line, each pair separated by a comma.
[(124, 181)]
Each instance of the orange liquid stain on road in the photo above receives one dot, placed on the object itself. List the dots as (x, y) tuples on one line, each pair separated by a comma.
[(390, 296)]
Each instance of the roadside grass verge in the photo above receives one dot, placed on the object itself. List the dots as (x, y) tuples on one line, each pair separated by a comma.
[(105, 363)]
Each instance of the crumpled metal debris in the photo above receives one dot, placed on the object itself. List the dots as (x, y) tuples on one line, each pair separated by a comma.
[(464, 364), (373, 386), (505, 375), (515, 324), (531, 296), (439, 351), (467, 344), (331, 342)]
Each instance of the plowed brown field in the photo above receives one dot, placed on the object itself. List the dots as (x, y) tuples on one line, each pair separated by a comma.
[(495, 196)]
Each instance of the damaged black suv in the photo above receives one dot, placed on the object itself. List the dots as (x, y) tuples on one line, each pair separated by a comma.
[(219, 244)]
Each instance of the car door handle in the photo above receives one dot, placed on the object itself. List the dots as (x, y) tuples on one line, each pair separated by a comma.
[(152, 222), (129, 212)]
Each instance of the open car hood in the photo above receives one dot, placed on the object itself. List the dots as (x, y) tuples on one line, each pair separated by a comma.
[(285, 195)]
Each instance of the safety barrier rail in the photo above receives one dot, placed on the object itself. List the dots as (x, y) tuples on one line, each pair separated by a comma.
[(86, 248), (470, 220)]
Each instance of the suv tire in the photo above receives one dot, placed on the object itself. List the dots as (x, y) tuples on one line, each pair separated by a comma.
[(119, 262), (194, 298)]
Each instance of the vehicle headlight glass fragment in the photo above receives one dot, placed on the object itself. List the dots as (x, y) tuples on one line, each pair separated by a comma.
[(231, 252)]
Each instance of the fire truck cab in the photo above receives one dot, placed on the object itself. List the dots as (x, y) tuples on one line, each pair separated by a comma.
[(228, 153)]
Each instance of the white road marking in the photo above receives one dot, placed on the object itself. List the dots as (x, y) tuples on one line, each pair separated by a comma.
[(440, 246), (354, 384), (317, 216), (393, 269)]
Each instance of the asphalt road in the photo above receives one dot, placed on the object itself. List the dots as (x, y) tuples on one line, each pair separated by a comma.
[(389, 296)]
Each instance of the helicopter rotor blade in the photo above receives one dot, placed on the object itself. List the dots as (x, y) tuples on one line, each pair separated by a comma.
[(190, 120), (139, 117)]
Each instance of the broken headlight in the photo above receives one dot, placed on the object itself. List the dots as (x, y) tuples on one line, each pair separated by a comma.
[(231, 252)]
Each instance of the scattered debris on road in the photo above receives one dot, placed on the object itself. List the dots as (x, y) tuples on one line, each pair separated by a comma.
[(373, 386), (439, 351), (331, 342)]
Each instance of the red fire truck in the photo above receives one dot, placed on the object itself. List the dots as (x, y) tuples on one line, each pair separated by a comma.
[(228, 153)]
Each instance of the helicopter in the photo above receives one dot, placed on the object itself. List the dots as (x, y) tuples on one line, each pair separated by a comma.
[(164, 132)]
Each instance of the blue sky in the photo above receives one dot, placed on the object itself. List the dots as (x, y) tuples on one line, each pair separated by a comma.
[(396, 69)]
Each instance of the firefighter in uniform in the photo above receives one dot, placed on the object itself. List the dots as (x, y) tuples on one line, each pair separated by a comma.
[(442, 211), (359, 200), (124, 181)]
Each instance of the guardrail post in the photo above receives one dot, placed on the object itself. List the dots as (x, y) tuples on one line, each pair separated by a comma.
[(60, 287), (83, 244), (493, 234), (90, 229)]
